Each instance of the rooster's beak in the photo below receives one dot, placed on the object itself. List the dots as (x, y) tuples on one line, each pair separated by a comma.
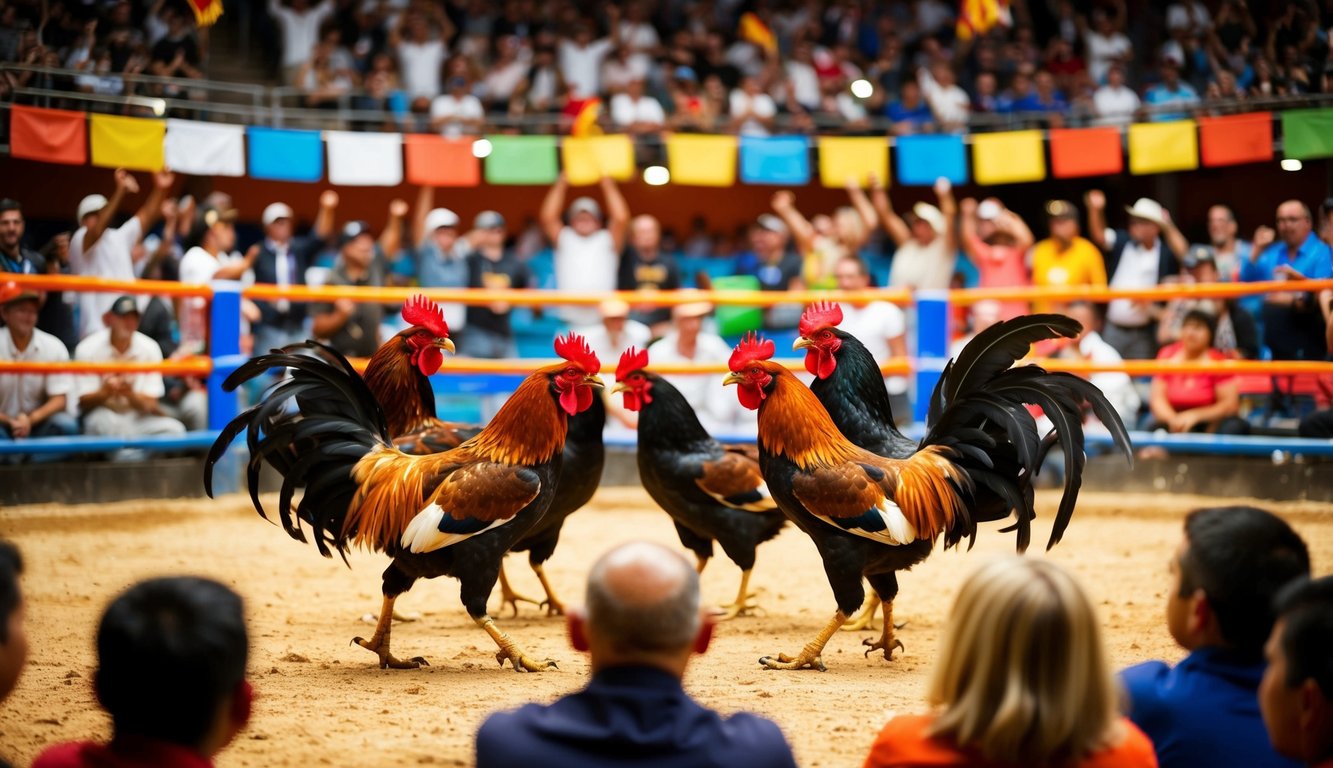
[(593, 380), (445, 343), (801, 343), (733, 378), (619, 387)]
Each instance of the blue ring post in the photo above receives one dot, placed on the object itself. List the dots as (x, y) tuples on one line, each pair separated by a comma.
[(224, 340), (932, 346)]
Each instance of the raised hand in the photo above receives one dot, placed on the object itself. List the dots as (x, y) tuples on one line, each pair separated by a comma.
[(1096, 199), (1263, 237), (784, 200), (126, 182), (398, 208), (164, 178), (328, 199)]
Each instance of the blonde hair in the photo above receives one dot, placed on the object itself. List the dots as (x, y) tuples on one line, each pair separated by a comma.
[(1022, 676)]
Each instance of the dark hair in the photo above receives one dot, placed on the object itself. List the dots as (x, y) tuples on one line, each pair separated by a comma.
[(9, 204), (11, 565), (1306, 609), (1204, 319), (169, 651), (1240, 557)]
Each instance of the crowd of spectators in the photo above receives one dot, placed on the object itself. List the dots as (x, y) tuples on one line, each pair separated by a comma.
[(461, 66)]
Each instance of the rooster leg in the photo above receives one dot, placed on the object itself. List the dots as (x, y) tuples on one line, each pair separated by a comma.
[(865, 618), (887, 642), (379, 642), (810, 654), (742, 606), (509, 597), (553, 605), (508, 650)]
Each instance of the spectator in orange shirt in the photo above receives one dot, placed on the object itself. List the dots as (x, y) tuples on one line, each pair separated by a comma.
[(1065, 258), (1196, 402)]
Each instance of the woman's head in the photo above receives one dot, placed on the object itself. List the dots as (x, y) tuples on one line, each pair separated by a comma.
[(1023, 676), (1197, 329)]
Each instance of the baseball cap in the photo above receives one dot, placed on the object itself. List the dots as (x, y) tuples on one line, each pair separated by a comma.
[(437, 218), (205, 219), (352, 230), (123, 306), (684, 73), (585, 205), (988, 210), (931, 215), (1198, 254), (489, 220), (614, 308), (1061, 209), (772, 223), (276, 211), (12, 292), (91, 204)]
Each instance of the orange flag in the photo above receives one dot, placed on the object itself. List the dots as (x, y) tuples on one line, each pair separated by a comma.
[(752, 29), (206, 11), (48, 135)]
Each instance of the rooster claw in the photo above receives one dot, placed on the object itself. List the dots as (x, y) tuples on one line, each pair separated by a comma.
[(388, 660), (553, 607), (875, 645), (783, 661), (524, 664)]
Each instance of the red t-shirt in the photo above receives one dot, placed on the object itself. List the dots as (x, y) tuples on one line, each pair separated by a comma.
[(1002, 266), (1191, 390), (125, 752), (904, 744)]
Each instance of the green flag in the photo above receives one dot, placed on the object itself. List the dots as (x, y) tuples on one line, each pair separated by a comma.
[(522, 160), (1307, 133)]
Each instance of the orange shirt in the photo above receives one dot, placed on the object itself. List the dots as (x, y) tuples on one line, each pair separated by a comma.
[(904, 744), (1079, 264)]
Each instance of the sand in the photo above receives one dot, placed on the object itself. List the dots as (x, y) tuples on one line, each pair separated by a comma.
[(322, 701)]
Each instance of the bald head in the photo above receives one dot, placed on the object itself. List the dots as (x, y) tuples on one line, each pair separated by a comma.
[(643, 599)]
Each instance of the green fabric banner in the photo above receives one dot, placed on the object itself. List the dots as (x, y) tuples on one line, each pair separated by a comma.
[(522, 160), (1307, 133)]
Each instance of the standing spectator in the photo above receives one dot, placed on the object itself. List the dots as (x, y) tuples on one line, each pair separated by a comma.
[(1170, 92), (1296, 694), (1106, 42), (439, 253), (1293, 322), (353, 328), (1065, 259), (1230, 251), (171, 655), (636, 113), (456, 112), (493, 267), (880, 326), (645, 267), (1226, 571), (752, 111), (422, 50), (31, 404), (581, 56), (641, 625), (822, 245), (1196, 402), (1136, 257), (1115, 103), (299, 24), (211, 239), (506, 73), (283, 261), (177, 54), (997, 240), (586, 252), (910, 113), (948, 102), (122, 404), (539, 90), (926, 248), (99, 250), (1236, 334), (775, 266)]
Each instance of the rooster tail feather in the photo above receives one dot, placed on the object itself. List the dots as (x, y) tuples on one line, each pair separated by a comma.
[(995, 350)]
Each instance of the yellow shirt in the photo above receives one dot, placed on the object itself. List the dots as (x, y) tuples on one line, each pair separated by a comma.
[(1079, 264)]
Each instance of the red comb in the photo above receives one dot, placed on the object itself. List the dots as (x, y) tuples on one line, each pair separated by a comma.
[(750, 349), (630, 361), (819, 315), (421, 311), (575, 349)]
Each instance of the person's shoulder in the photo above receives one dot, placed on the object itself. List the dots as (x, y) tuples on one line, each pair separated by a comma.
[(50, 346), (143, 346), (755, 739), (1165, 353), (93, 344), (904, 741), (1143, 686), (1135, 750), (501, 739)]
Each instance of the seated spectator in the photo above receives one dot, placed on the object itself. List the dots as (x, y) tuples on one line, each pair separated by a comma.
[(1293, 322), (1225, 573), (381, 94), (616, 334), (689, 342), (1020, 88), (1236, 334), (644, 266), (1069, 718), (910, 113), (54, 317), (177, 54), (926, 247), (122, 404), (620, 67), (843, 234), (1065, 259), (440, 254), (980, 316), (542, 88), (587, 253), (1115, 103), (1065, 64), (299, 25), (1170, 92), (1089, 347), (456, 112), (985, 93), (492, 266), (1296, 694), (775, 266), (32, 404), (14, 257), (1196, 402), (1045, 99), (171, 656), (353, 328), (505, 75), (1229, 251), (879, 325), (996, 240), (636, 113), (13, 639), (751, 110), (641, 624), (948, 102)]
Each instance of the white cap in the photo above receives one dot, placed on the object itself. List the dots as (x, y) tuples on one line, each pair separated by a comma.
[(276, 211), (440, 217), (931, 215), (91, 204), (585, 205), (988, 210)]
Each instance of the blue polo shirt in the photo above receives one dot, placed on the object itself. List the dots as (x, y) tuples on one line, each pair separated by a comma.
[(1202, 712), (1313, 259)]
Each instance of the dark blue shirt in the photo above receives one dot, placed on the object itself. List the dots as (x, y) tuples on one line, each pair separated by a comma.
[(629, 715), (918, 115), (1202, 712)]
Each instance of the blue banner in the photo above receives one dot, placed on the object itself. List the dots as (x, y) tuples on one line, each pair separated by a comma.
[(783, 160), (285, 155), (923, 159)]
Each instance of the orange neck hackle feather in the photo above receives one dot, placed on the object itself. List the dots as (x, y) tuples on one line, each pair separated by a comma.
[(529, 428), (793, 423), (392, 380)]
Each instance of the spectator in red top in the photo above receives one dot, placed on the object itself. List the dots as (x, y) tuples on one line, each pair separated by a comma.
[(1196, 402), (996, 241)]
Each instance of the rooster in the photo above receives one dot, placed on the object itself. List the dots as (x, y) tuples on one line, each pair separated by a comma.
[(850, 386), (712, 492), (398, 377), (447, 514), (870, 515)]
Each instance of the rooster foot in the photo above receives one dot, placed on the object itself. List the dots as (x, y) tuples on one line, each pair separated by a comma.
[(739, 608), (803, 661), (522, 663), (875, 645), (865, 618), (553, 606), (511, 598), (388, 660)]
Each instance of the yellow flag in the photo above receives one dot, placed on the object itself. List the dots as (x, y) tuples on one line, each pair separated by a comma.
[(752, 29), (702, 161), (206, 11), (853, 158), (586, 159), (1163, 147), (977, 17), (1008, 158), (127, 142)]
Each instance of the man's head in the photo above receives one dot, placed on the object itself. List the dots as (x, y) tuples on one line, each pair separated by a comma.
[(614, 314), (1296, 695), (1200, 263), (11, 225), (1146, 218), (851, 273), (642, 607), (1227, 569), (1170, 73), (122, 319), (171, 657), (18, 308), (689, 317), (927, 223), (441, 228), (214, 230), (490, 229), (1293, 223), (89, 207), (769, 237), (13, 641), (1222, 225), (1115, 76), (1085, 314), (357, 244), (277, 220), (645, 234), (585, 216), (1062, 216)]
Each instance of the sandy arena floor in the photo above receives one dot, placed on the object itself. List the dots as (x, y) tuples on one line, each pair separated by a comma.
[(323, 702)]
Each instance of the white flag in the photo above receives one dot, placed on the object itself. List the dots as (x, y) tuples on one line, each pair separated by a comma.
[(365, 159), (205, 149)]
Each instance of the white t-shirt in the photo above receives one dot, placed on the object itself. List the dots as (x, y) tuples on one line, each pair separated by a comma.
[(26, 392), (922, 267), (582, 67), (640, 38), (761, 104), (1115, 106), (97, 349), (111, 258), (501, 82), (607, 349), (716, 406), (300, 31), (467, 107), (616, 75), (626, 111), (198, 267), (420, 64), (949, 103), (1188, 14), (804, 84), (1137, 269), (873, 325), (585, 265), (1101, 50)]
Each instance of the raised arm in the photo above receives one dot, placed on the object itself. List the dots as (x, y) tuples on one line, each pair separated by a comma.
[(152, 207), (552, 205), (869, 219), (967, 226), (617, 212), (170, 215), (784, 205), (235, 270), (1096, 201), (1173, 238), (328, 206), (893, 223), (425, 200), (944, 193), (125, 183), (1010, 222), (391, 239)]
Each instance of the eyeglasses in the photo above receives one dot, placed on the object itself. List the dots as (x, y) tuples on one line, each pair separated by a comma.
[(1292, 219)]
